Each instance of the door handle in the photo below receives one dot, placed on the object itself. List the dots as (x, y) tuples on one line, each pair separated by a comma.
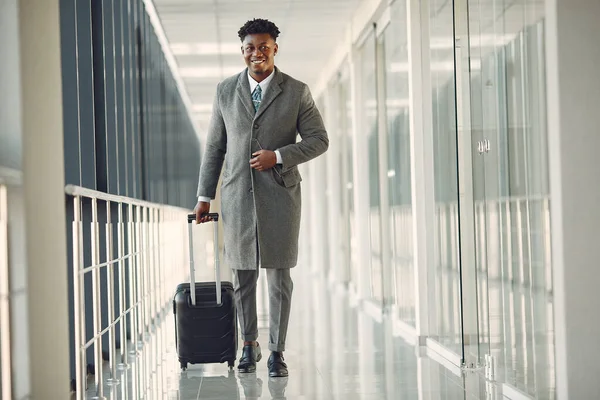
[(480, 147), (487, 145)]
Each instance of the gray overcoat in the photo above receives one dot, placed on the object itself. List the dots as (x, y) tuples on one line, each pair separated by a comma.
[(260, 211)]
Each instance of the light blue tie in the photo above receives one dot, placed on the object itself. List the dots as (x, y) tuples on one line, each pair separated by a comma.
[(257, 97)]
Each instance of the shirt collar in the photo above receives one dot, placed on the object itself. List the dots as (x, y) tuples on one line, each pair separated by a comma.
[(263, 85)]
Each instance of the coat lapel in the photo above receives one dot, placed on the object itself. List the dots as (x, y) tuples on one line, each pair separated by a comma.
[(243, 92), (273, 91)]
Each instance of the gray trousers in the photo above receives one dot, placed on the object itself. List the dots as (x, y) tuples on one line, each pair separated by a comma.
[(280, 299)]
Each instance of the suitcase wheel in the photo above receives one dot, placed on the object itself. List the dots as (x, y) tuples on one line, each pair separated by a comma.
[(183, 365), (231, 364)]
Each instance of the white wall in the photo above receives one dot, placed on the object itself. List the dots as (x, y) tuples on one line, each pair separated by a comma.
[(573, 57)]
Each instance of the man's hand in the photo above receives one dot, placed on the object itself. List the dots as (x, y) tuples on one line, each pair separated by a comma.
[(201, 209), (263, 160)]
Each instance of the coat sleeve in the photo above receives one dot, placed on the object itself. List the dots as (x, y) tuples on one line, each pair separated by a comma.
[(312, 131), (214, 154)]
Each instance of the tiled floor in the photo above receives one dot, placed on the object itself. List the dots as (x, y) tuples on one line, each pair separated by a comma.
[(335, 352)]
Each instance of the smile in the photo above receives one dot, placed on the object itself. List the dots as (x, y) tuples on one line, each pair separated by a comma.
[(257, 61)]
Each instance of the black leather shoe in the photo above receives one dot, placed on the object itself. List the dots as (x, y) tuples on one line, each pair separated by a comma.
[(250, 356), (277, 368)]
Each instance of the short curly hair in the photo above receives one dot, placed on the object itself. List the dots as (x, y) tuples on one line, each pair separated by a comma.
[(258, 25)]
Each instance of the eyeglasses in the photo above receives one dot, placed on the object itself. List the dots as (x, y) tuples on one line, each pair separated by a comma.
[(261, 148)]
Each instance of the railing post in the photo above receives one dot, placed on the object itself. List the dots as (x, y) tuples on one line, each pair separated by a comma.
[(122, 282), (133, 293), (157, 314), (78, 300), (159, 301), (131, 267), (152, 280), (96, 305), (140, 306), (147, 272), (110, 283), (150, 295), (162, 349), (140, 271)]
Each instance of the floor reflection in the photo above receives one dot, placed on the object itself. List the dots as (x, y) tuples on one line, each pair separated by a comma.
[(202, 383), (334, 352)]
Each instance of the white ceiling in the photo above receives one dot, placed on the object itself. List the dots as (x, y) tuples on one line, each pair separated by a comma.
[(203, 37)]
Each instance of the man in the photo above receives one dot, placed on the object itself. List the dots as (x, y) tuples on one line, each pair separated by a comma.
[(256, 118)]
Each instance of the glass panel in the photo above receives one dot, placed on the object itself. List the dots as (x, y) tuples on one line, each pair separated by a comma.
[(341, 95), (369, 127), (399, 162), (508, 84), (483, 105), (338, 92), (343, 103), (347, 104), (444, 278)]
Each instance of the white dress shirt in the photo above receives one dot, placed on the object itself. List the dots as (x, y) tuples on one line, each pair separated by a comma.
[(264, 86)]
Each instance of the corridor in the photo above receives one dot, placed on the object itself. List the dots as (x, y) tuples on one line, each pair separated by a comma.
[(438, 158)]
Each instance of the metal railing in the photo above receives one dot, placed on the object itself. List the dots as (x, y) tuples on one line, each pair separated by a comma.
[(131, 282)]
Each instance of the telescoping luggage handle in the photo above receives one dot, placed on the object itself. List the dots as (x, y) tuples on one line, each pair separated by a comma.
[(215, 218)]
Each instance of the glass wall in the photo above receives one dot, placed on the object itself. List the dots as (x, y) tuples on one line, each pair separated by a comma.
[(489, 287), (347, 124), (512, 205), (368, 82), (341, 111), (444, 276), (399, 162)]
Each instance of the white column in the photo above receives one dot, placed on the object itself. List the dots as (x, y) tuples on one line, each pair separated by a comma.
[(573, 85), (43, 178), (421, 153)]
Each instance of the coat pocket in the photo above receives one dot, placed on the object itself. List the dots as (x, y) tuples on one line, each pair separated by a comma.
[(289, 178)]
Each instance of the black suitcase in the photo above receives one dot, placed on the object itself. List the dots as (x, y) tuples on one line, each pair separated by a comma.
[(205, 319)]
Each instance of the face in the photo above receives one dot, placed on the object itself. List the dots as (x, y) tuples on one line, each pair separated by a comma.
[(259, 51)]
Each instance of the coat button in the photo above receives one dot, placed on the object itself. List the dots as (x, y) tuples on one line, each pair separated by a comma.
[(255, 126), (251, 191)]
